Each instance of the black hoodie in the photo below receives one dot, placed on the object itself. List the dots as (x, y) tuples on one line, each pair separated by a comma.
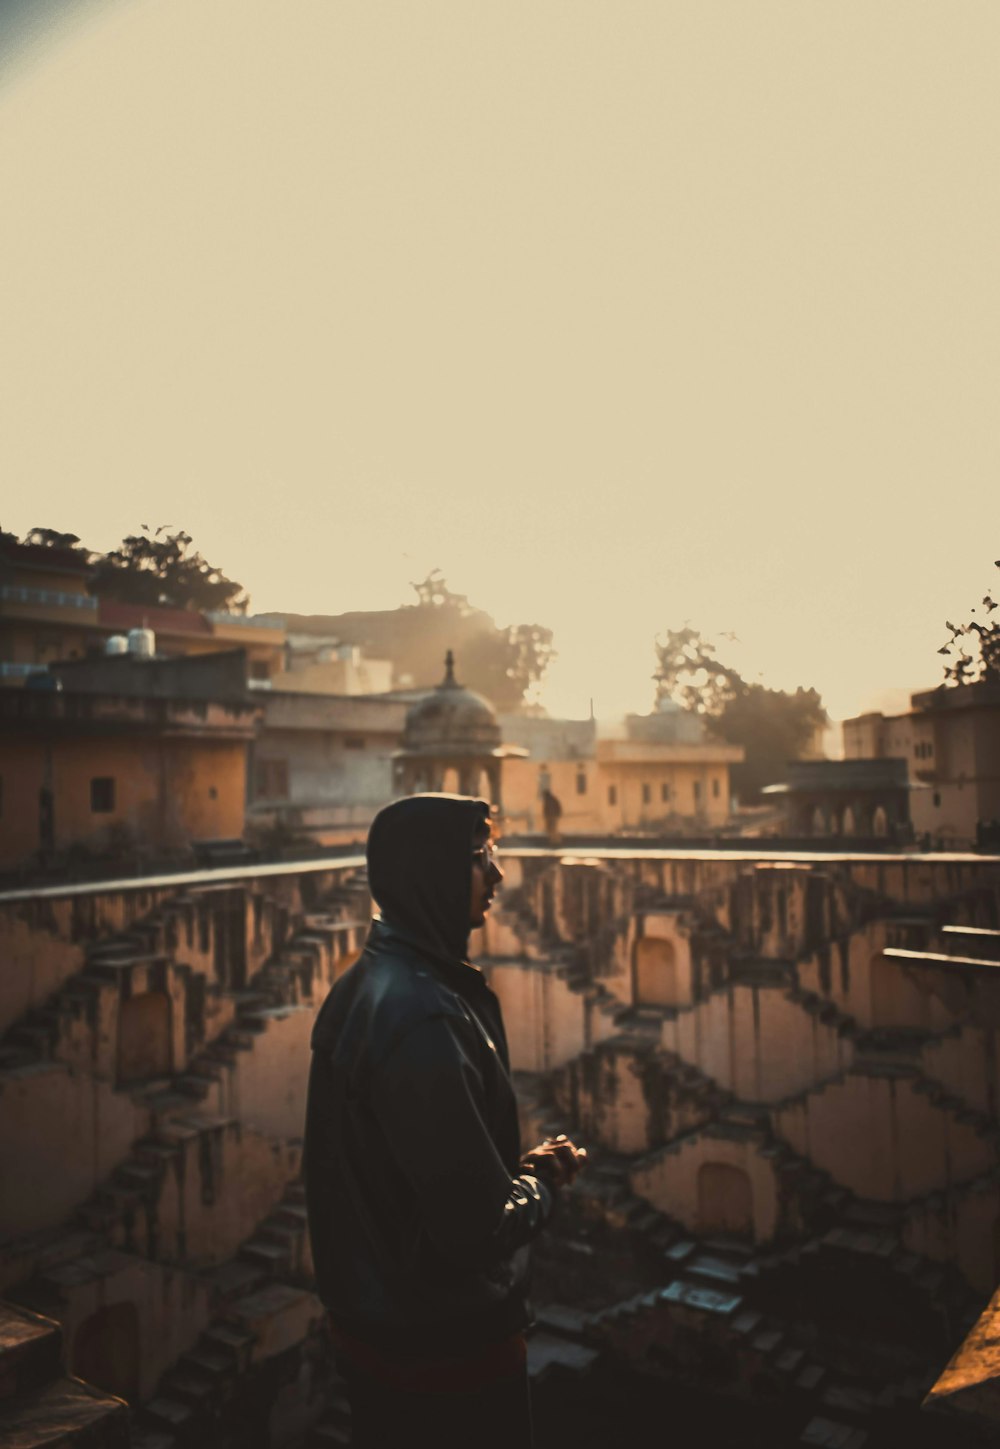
[(418, 1213), (419, 863)]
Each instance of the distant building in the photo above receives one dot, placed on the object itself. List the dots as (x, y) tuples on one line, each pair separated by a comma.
[(48, 615), (314, 664), (452, 742), (663, 777), (950, 744), (868, 798), (45, 610), (322, 765), (124, 756)]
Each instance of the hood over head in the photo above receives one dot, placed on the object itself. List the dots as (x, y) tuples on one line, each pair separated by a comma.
[(419, 867)]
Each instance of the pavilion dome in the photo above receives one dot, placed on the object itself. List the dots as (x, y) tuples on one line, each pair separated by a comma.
[(451, 720)]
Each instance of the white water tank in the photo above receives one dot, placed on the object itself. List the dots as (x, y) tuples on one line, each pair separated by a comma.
[(142, 643), (117, 644)]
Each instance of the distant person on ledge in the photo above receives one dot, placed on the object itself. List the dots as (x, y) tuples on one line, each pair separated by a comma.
[(421, 1205), (551, 814)]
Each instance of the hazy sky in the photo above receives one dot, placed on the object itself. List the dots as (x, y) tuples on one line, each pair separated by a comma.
[(623, 314)]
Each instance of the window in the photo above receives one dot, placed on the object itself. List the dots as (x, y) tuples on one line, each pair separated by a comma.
[(353, 742), (697, 792), (665, 793), (715, 787), (102, 794), (260, 669), (937, 797), (272, 780), (581, 782), (612, 794), (647, 794)]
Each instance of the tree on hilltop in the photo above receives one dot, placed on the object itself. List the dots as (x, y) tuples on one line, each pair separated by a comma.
[(503, 663), (773, 725), (160, 570), (51, 538)]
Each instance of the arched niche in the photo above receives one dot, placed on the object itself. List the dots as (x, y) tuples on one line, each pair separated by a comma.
[(144, 1037), (850, 824), (107, 1350), (725, 1200), (880, 821), (817, 824), (655, 972)]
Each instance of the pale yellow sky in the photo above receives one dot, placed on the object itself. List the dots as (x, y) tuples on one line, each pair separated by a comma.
[(623, 314)]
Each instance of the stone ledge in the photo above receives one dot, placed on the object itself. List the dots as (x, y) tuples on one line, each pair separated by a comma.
[(62, 1412), (970, 1385)]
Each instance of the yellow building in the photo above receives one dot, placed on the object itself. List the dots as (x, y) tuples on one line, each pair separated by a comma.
[(663, 777), (124, 756)]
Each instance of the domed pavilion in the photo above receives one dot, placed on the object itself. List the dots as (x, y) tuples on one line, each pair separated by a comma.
[(451, 742)]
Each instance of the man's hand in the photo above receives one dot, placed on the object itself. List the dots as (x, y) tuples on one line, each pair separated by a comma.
[(556, 1161)]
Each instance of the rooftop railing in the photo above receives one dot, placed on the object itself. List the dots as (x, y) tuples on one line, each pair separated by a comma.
[(48, 598)]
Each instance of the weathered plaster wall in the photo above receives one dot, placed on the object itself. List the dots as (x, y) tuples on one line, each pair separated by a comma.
[(758, 1043), (674, 1181), (883, 1138), (61, 1134), (545, 1020)]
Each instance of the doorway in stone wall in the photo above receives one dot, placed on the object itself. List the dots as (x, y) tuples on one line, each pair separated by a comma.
[(144, 1037), (107, 1350), (725, 1200), (655, 972)]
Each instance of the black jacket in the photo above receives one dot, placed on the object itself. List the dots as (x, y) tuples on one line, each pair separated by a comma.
[(418, 1214)]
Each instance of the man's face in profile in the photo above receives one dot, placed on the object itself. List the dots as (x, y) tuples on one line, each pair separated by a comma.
[(486, 877)]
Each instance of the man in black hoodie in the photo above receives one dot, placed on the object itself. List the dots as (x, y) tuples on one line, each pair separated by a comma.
[(421, 1205)]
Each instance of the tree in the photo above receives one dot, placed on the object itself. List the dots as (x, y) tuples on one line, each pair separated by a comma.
[(966, 667), (773, 725), (501, 663), (53, 538), (159, 569), (50, 538), (689, 674), (504, 664)]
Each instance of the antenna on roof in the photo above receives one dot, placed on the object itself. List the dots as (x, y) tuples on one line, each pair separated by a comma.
[(449, 668)]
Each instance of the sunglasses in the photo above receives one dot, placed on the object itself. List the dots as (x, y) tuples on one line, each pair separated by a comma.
[(486, 856)]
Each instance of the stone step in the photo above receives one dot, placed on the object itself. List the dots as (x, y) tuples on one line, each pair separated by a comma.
[(136, 1177), (274, 1257), (65, 1412), (188, 1385), (175, 1415), (145, 1438), (37, 1039), (208, 1358), (294, 1214), (195, 1086), (229, 1338), (14, 1056), (235, 1278), (30, 1350)]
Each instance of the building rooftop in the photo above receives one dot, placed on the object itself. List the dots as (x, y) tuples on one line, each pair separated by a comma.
[(847, 775)]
